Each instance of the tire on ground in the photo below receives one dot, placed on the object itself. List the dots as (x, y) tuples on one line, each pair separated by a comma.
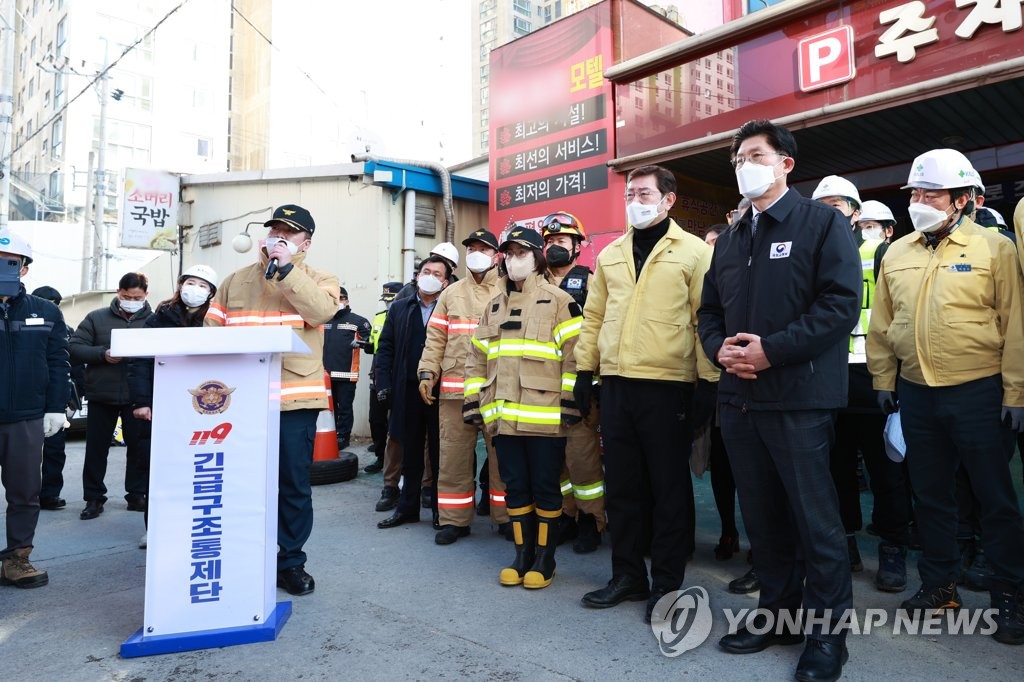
[(344, 468)]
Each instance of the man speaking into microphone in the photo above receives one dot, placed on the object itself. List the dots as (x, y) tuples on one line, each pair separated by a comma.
[(280, 289)]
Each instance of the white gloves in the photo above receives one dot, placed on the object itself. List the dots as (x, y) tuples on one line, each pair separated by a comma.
[(52, 423)]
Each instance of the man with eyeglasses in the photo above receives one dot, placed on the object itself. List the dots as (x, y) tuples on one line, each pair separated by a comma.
[(582, 476), (779, 301), (640, 334), (947, 318)]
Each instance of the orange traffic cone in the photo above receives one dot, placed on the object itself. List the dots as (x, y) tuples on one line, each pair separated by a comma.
[(328, 465)]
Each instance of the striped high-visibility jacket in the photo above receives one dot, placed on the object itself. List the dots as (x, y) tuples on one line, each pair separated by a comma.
[(450, 331), (303, 300), (520, 375)]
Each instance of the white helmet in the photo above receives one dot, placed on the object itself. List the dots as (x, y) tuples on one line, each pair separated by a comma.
[(875, 210), (835, 186), (12, 243), (1000, 221), (447, 251), (942, 169), (203, 272)]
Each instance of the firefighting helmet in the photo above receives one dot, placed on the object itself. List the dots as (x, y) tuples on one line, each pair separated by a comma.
[(203, 272), (942, 169), (876, 210), (447, 251), (563, 222), (18, 246), (835, 186)]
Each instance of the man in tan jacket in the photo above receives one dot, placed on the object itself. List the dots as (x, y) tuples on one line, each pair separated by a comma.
[(281, 290)]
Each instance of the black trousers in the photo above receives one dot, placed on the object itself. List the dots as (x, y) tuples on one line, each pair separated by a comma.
[(944, 427), (21, 456), (378, 423), (723, 486), (99, 429), (780, 461), (648, 491), (54, 458), (294, 492), (421, 424), (862, 432), (531, 467), (344, 394)]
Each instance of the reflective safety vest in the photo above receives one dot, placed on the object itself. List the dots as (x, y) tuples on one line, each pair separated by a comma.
[(376, 326), (858, 336)]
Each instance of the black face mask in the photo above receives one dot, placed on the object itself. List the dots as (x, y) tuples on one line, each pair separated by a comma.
[(558, 256)]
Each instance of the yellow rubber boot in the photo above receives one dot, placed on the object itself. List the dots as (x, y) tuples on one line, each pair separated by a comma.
[(543, 569), (524, 529)]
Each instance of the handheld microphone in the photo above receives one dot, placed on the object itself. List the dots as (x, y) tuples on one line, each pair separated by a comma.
[(271, 269)]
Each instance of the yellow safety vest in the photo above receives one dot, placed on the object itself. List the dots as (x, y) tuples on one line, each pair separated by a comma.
[(858, 336), (376, 326)]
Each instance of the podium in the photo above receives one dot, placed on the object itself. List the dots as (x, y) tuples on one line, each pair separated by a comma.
[(211, 564)]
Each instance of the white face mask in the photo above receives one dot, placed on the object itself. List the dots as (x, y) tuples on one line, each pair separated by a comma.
[(428, 284), (130, 307), (194, 295), (927, 218), (871, 234), (271, 242), (642, 216), (478, 261), (754, 179), (520, 267)]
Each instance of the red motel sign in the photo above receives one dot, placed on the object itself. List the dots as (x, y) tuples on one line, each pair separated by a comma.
[(826, 59)]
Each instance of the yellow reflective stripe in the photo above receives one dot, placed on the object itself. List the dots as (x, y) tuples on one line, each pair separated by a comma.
[(567, 330), (566, 487), (514, 412), (473, 385), (510, 348), (590, 492), (482, 345), (568, 381)]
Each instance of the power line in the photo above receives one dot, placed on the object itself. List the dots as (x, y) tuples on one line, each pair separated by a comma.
[(102, 74)]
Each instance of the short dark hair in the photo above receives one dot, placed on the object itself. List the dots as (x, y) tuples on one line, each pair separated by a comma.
[(780, 139), (134, 280), (434, 258), (663, 176), (717, 228)]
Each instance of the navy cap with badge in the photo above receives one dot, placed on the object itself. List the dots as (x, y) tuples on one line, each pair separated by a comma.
[(294, 217), (483, 236), (523, 236), (389, 290)]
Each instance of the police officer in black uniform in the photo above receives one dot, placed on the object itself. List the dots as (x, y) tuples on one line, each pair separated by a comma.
[(344, 335)]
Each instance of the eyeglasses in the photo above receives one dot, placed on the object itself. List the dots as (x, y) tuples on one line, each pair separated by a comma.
[(645, 195), (555, 221), (754, 158)]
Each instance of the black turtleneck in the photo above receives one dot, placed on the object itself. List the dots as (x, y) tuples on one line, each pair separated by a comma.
[(644, 241)]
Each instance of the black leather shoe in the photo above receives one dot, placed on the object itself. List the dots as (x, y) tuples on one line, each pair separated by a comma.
[(745, 642), (435, 520), (93, 508), (376, 467), (427, 498), (52, 503), (656, 595), (296, 581), (388, 498), (397, 519), (619, 589), (821, 661), (136, 502), (747, 583), (450, 534)]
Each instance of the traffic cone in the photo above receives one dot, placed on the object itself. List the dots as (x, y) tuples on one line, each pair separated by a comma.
[(325, 445)]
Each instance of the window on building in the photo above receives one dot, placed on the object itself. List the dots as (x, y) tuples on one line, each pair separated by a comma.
[(62, 36), (484, 95), (719, 82), (707, 78), (520, 26), (32, 48), (707, 108), (46, 99), (29, 127), (521, 6), (558, 9), (203, 147), (46, 146), (485, 138), (638, 103), (55, 190), (56, 138), (728, 87), (728, 57), (718, 68), (58, 88), (547, 14), (485, 71), (707, 63), (31, 86)]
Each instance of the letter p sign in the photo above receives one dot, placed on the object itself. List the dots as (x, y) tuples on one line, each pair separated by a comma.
[(826, 59)]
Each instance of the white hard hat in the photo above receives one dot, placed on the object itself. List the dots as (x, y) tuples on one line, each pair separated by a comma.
[(12, 243), (997, 215), (875, 210), (942, 169), (835, 186), (203, 272), (447, 251)]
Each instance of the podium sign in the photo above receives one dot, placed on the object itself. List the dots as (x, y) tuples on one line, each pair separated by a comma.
[(212, 537)]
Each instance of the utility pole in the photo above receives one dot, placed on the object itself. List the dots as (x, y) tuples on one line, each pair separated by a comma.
[(99, 255), (6, 110), (88, 259)]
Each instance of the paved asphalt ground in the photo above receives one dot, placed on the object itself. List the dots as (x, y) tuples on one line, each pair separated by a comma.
[(393, 605)]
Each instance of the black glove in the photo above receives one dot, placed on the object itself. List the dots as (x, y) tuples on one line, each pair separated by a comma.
[(887, 402), (705, 398), (583, 391), (384, 397), (473, 419)]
